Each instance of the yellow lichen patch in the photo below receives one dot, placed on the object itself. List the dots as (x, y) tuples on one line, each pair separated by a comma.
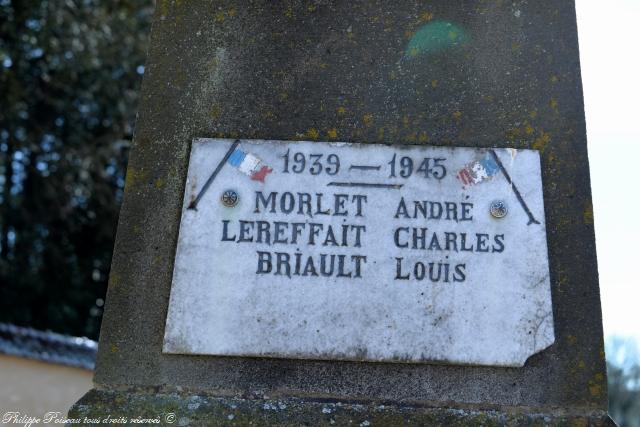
[(114, 280), (541, 142), (587, 215), (572, 340), (283, 96), (412, 137), (424, 138), (595, 389), (528, 129), (515, 47), (341, 110), (533, 114), (312, 133), (113, 348), (553, 104), (514, 133), (212, 65), (323, 65), (551, 157), (215, 112), (599, 376), (289, 12), (174, 172), (408, 34), (134, 177), (381, 133), (332, 133), (457, 115), (405, 121), (367, 119), (312, 8), (426, 16), (159, 183), (219, 18), (164, 7), (580, 423), (232, 12), (581, 364), (554, 79)]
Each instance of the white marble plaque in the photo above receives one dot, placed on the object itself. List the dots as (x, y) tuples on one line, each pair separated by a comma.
[(365, 252)]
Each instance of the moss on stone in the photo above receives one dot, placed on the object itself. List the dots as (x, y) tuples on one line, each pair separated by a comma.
[(184, 409)]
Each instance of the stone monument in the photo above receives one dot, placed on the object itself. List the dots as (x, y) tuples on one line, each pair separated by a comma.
[(356, 213)]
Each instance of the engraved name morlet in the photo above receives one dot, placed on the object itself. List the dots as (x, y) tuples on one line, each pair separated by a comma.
[(367, 252)]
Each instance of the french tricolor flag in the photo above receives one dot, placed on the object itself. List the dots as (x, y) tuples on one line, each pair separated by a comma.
[(249, 165), (479, 171)]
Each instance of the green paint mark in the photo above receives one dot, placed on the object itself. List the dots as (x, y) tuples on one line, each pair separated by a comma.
[(435, 37)]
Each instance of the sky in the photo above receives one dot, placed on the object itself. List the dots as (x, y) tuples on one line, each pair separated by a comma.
[(608, 33)]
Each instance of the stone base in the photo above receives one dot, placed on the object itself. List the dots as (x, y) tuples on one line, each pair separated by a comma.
[(182, 409)]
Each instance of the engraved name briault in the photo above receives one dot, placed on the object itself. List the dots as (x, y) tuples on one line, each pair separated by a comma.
[(298, 234), (283, 243)]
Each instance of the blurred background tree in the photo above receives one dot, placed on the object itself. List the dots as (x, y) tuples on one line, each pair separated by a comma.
[(69, 77), (623, 375)]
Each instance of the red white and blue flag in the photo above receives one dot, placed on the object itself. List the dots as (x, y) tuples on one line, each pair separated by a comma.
[(249, 165), (479, 170)]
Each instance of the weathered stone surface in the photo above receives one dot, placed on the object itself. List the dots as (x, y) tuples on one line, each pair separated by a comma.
[(353, 71), (176, 408), (361, 252)]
